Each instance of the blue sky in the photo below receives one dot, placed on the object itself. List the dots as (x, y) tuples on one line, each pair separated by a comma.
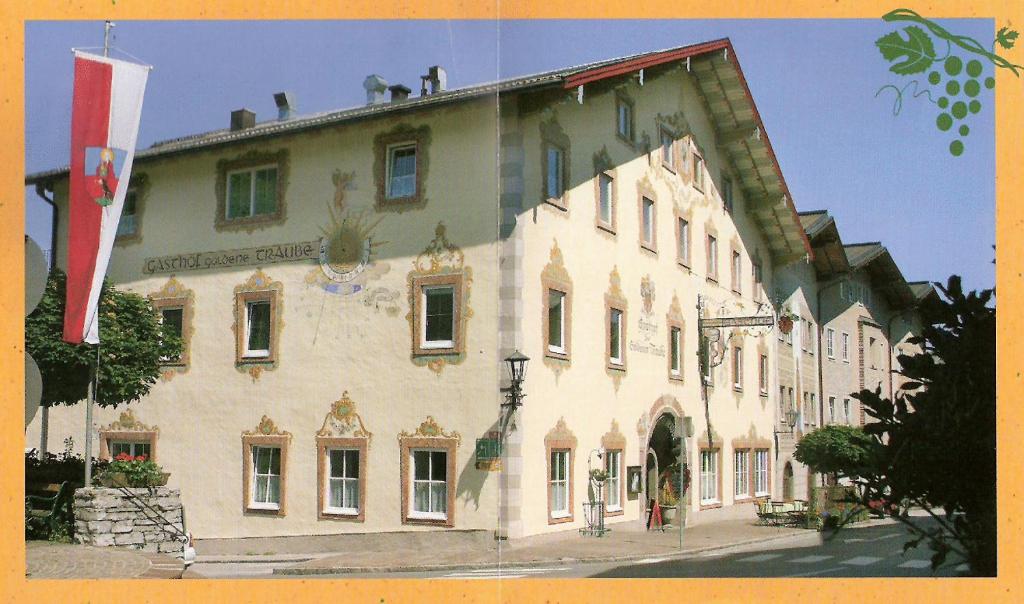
[(883, 177)]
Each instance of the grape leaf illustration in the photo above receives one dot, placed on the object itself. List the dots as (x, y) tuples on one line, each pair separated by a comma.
[(917, 52), (1006, 37)]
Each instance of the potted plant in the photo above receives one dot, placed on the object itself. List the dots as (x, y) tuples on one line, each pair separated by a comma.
[(598, 475), (128, 471), (786, 320), (668, 500)]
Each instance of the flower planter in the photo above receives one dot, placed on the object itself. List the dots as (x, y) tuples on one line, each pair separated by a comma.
[(668, 515), (161, 480), (113, 479)]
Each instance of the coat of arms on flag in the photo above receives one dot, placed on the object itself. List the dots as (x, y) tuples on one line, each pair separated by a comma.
[(105, 113)]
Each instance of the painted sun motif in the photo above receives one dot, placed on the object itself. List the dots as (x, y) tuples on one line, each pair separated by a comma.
[(347, 245)]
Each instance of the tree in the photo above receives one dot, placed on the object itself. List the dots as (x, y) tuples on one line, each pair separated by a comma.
[(937, 440), (836, 450), (133, 341)]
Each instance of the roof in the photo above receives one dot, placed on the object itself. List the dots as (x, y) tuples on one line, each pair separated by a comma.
[(739, 129), (830, 257), (922, 289), (885, 276)]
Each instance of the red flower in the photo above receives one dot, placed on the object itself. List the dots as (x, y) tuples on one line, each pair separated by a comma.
[(140, 458), (123, 457)]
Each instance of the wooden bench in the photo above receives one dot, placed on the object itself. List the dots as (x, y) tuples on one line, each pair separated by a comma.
[(51, 510)]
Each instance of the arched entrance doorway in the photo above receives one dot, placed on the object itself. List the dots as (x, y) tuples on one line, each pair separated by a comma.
[(663, 471), (787, 482)]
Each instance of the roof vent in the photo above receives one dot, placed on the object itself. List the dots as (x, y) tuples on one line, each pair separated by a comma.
[(242, 119), (375, 87), (436, 77), (285, 104), (399, 93)]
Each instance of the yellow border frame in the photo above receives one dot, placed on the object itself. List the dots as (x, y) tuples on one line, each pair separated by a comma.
[(1009, 213)]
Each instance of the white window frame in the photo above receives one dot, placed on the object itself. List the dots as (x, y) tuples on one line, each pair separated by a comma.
[(428, 515), (247, 352), (615, 325), (676, 337), (624, 119), (832, 409), (668, 151), (181, 308), (647, 220), (844, 346), (760, 472), (712, 257), (559, 171), (698, 171), (132, 445), (562, 482), (727, 198), (846, 410), (264, 505), (328, 508), (252, 190), (762, 376), (737, 367), (737, 271), (683, 226), (830, 343), (613, 484), (709, 477), (432, 344), (392, 149), (560, 348), (604, 192), (741, 473), (121, 222)]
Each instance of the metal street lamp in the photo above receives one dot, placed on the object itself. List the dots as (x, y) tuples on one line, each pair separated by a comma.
[(790, 419), (514, 396)]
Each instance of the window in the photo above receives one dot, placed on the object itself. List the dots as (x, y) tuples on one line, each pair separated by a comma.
[(762, 375), (683, 240), (615, 337), (737, 368), (709, 477), (429, 484), (832, 409), (126, 226), (342, 481), (558, 484), (675, 352), (741, 474), (266, 474), (758, 276), (846, 410), (647, 230), (727, 194), (760, 472), (736, 274), (556, 322), (401, 177), (172, 318), (437, 325), (133, 448), (844, 346), (613, 484), (252, 192), (873, 352), (712, 258), (624, 118), (605, 201), (668, 159), (812, 331), (698, 171), (555, 176), (782, 402), (830, 343), (257, 329)]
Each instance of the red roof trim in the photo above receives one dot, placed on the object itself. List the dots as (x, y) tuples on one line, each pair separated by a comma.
[(631, 65)]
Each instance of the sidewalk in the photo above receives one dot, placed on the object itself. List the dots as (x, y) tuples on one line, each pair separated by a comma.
[(46, 560), (404, 552)]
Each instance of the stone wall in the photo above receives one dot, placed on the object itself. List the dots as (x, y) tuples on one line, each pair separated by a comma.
[(150, 519)]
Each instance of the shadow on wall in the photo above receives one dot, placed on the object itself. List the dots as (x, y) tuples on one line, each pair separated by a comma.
[(472, 479)]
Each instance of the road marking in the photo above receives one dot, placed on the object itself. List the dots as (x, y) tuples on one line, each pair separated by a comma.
[(651, 560), (861, 560), (816, 572), (498, 573), (961, 568), (810, 559), (760, 558), (916, 564)]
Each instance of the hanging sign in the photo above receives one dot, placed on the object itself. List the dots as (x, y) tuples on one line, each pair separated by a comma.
[(737, 321)]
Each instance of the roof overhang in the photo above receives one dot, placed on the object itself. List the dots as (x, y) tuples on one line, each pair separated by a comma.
[(740, 134), (886, 277), (830, 258)]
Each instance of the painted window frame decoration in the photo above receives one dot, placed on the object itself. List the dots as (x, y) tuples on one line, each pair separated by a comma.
[(393, 151), (138, 187), (127, 429), (428, 436), (737, 368), (614, 441), (711, 255), (267, 435), (258, 288), (385, 143), (671, 162), (737, 271), (624, 101), (699, 176), (560, 438), (174, 294), (604, 168), (552, 136), (684, 240), (674, 321), (440, 264), (555, 278), (342, 428), (252, 160), (763, 376), (615, 301)]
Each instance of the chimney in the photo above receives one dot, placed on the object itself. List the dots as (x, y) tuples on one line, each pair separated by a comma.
[(242, 119), (285, 104), (436, 77), (399, 93), (375, 87)]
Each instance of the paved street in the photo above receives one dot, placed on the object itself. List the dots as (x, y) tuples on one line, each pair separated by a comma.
[(869, 551)]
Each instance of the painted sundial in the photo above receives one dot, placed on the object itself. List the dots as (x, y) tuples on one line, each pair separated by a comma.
[(346, 247)]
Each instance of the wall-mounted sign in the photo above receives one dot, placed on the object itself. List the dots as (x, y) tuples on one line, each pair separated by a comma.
[(737, 321), (251, 256), (633, 486), (488, 449)]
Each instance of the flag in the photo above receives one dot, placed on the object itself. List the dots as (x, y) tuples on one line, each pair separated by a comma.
[(105, 112)]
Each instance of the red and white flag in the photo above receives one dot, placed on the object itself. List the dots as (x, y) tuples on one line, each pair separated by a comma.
[(105, 114)]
